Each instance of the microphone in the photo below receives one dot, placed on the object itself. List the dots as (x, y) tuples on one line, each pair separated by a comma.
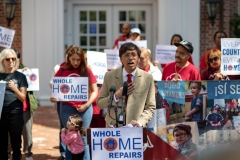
[(112, 90), (121, 118), (125, 89)]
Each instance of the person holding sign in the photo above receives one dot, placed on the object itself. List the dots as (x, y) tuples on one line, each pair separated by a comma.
[(76, 66), (29, 106), (62, 147), (140, 104), (213, 63), (11, 120), (181, 69), (135, 34), (217, 40), (176, 38)]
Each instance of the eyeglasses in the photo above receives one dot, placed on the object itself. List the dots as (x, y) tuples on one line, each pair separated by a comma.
[(210, 60), (71, 122), (181, 135), (127, 55), (8, 59)]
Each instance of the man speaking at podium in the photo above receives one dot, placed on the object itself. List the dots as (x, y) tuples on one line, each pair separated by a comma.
[(140, 95)]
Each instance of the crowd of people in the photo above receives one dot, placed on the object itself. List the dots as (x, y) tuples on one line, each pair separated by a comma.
[(141, 73)]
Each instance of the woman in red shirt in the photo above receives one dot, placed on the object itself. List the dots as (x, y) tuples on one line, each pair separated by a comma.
[(76, 66)]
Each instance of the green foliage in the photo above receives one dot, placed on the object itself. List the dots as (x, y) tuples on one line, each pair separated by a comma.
[(235, 25)]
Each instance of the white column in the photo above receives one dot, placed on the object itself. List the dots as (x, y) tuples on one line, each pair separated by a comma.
[(181, 17), (42, 40)]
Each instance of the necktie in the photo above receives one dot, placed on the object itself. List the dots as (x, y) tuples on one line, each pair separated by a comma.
[(129, 80), (129, 76)]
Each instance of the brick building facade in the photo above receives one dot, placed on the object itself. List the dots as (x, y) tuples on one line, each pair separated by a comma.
[(16, 24), (225, 13)]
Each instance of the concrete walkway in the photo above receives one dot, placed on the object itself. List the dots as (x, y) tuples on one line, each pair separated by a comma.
[(45, 134)]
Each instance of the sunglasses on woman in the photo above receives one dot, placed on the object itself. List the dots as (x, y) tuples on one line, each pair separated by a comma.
[(8, 59), (210, 60), (71, 122)]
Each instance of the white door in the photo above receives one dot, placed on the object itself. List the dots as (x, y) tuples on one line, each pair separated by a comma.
[(95, 27), (92, 27), (139, 16)]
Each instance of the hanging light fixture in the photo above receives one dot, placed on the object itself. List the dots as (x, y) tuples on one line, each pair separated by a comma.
[(212, 8), (9, 9)]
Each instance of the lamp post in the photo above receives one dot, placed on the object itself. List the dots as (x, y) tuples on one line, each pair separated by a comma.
[(212, 8), (9, 9)]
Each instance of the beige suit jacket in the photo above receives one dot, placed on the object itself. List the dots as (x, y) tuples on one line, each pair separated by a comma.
[(141, 103)]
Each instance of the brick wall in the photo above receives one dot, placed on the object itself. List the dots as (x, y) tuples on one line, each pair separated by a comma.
[(16, 24), (221, 23)]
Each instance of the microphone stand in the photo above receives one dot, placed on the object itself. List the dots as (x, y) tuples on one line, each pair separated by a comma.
[(123, 108), (115, 109)]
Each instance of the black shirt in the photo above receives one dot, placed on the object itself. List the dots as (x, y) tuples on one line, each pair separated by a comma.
[(11, 101)]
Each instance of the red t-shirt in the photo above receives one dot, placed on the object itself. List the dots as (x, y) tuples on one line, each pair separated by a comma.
[(146, 69), (75, 73), (189, 60), (123, 37), (188, 73)]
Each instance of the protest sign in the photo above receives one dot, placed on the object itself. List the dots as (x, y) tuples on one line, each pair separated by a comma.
[(165, 53), (140, 44), (223, 89), (98, 64), (6, 37), (173, 91), (117, 143), (2, 94), (113, 59), (32, 76), (70, 88), (230, 61)]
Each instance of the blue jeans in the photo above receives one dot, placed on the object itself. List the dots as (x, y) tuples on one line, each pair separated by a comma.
[(62, 146), (65, 111)]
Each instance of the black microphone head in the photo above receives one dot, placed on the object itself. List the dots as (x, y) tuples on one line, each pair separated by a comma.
[(112, 89), (125, 88)]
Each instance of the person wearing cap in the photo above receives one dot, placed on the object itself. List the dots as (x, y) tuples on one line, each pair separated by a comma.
[(181, 69), (214, 120), (183, 137), (135, 34)]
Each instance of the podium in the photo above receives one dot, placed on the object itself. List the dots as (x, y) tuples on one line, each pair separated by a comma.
[(153, 147)]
